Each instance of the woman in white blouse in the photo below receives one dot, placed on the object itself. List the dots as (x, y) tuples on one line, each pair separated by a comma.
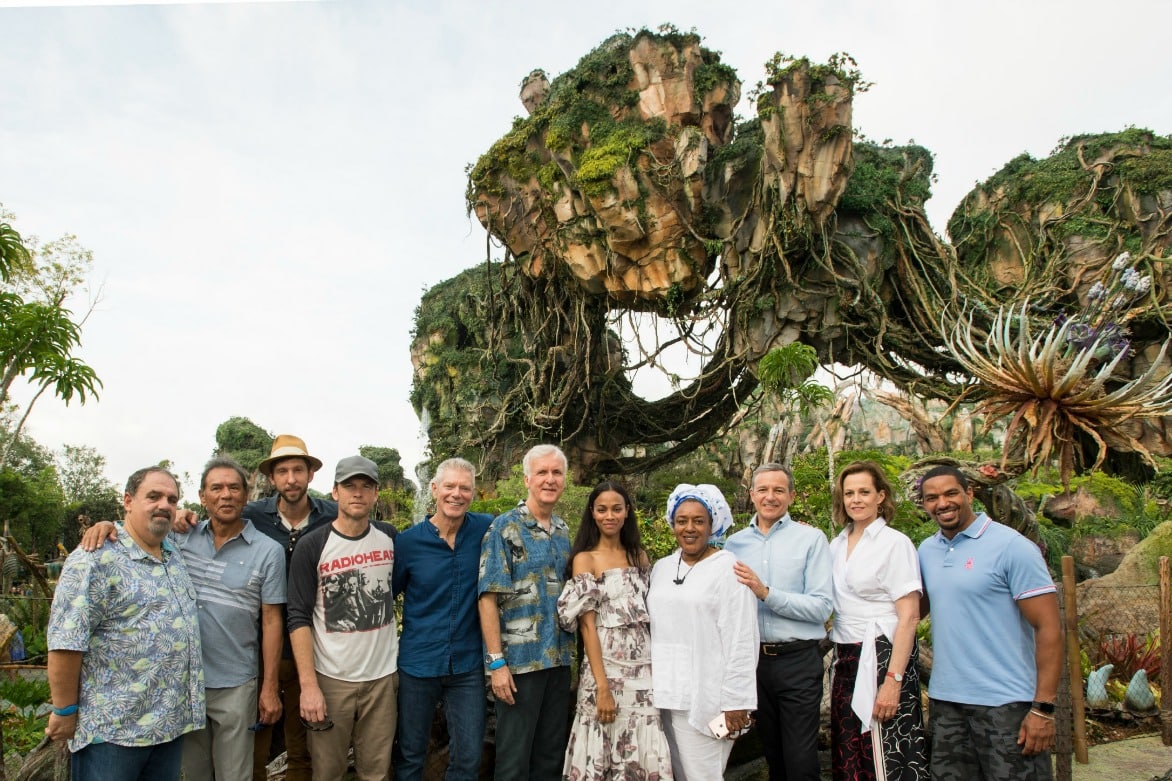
[(703, 638), (875, 711)]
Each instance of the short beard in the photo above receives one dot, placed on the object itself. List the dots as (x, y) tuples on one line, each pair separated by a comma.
[(158, 527)]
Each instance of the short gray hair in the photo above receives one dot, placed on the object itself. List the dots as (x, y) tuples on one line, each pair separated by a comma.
[(454, 465), (541, 451), (222, 462), (773, 467)]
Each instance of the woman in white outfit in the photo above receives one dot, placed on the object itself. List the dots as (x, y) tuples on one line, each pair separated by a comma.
[(703, 638), (876, 723)]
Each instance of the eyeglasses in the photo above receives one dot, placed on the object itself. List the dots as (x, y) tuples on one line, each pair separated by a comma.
[(318, 726)]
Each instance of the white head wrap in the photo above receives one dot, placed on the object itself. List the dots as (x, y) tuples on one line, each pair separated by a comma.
[(713, 501)]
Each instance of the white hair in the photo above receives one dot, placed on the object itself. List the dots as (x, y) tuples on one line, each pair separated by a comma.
[(541, 451), (454, 465)]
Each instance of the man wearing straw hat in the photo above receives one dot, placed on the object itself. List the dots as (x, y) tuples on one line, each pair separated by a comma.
[(286, 517)]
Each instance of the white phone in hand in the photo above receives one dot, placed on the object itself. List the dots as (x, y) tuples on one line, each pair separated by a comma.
[(718, 727)]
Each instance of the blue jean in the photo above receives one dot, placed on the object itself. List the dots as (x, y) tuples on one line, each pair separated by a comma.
[(465, 704), (111, 762)]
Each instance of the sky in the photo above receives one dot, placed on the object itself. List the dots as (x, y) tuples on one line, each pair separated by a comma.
[(268, 188)]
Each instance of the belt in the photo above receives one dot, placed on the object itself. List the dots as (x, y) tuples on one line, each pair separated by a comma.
[(789, 646)]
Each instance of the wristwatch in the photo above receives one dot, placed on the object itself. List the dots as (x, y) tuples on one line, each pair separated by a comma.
[(897, 676), (490, 658), (1043, 707)]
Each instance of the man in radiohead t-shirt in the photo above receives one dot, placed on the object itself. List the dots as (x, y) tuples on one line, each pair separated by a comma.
[(342, 627)]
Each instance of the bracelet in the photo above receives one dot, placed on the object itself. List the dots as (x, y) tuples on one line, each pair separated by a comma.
[(68, 710), (1037, 712), (498, 664)]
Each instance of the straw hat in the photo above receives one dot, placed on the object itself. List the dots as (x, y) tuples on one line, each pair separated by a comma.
[(287, 446)]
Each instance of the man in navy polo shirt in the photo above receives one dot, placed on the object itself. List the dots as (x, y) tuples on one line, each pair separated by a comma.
[(996, 641), (437, 563)]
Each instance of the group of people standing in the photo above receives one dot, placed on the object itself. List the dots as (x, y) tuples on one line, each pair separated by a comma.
[(156, 623)]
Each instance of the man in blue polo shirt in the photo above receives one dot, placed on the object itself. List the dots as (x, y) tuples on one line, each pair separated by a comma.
[(996, 641), (239, 577), (437, 562)]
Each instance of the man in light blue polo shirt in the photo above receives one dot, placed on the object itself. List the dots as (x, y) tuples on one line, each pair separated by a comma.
[(787, 567), (996, 641), (239, 577)]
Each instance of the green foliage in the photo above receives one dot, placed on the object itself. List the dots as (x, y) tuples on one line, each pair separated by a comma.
[(511, 490), (711, 75), (1134, 507), (244, 441), (813, 490), (34, 508), (25, 692), (576, 119), (785, 372), (658, 538), (38, 331), (23, 729), (82, 473), (887, 176), (390, 468), (613, 145), (14, 256)]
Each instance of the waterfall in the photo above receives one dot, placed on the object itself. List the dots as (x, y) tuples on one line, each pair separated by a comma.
[(422, 469)]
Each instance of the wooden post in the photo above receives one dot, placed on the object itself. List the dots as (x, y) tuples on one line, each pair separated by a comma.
[(1074, 662), (1165, 651), (1063, 721)]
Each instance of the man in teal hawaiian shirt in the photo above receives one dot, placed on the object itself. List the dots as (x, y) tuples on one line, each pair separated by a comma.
[(124, 652), (522, 571)]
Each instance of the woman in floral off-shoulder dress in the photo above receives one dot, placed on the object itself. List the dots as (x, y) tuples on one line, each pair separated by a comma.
[(617, 733)]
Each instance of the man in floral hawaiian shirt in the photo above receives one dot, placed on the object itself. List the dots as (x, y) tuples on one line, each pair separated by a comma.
[(124, 651)]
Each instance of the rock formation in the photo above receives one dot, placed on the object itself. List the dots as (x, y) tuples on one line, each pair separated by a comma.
[(631, 190)]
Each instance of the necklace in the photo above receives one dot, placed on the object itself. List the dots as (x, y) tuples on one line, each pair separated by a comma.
[(680, 581)]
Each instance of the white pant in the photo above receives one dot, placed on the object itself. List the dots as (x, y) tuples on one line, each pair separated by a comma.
[(695, 756)]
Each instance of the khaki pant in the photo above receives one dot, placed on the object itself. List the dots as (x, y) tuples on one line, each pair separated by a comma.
[(223, 749), (364, 715)]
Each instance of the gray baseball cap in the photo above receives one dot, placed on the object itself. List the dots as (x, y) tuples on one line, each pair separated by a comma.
[(351, 466)]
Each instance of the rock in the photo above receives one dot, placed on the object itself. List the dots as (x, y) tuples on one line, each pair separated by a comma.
[(1069, 507), (534, 90), (1106, 605), (1100, 555)]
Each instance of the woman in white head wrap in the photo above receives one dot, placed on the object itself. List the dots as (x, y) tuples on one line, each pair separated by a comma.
[(703, 637)]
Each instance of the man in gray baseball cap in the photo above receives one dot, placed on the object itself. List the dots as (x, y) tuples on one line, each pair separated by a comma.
[(342, 628)]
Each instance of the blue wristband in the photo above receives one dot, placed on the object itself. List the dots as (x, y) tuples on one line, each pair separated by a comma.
[(68, 710), (498, 664)]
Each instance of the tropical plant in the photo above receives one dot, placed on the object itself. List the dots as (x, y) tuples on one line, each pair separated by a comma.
[(1060, 382), (23, 728), (1129, 653)]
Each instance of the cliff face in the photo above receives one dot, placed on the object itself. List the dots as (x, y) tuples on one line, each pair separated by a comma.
[(631, 191)]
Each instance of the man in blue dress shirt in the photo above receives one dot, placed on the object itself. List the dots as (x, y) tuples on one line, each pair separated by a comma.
[(437, 564), (787, 567)]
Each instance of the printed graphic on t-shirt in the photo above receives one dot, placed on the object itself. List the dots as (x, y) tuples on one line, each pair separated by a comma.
[(356, 601)]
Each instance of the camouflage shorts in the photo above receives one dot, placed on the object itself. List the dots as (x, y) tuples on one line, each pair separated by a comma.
[(979, 743)]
